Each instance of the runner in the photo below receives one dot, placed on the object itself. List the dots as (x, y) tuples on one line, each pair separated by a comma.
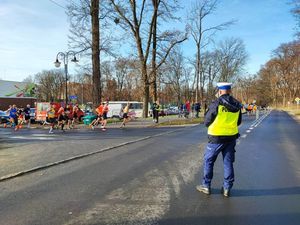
[(20, 118), (8, 113), (13, 118), (75, 115), (51, 118), (125, 115), (69, 116), (99, 118), (27, 115), (61, 118), (104, 120)]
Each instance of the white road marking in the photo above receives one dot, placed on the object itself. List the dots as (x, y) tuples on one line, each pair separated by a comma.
[(32, 138), (5, 133), (43, 135), (255, 124)]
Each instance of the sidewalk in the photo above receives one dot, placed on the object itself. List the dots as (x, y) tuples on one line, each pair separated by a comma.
[(138, 122), (146, 122)]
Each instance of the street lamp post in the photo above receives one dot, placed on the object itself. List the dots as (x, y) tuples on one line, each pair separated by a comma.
[(65, 57)]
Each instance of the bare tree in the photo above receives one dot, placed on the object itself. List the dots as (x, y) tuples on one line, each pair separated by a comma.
[(210, 68), (202, 35), (50, 85), (296, 13), (29, 79), (246, 89), (133, 15), (173, 74), (107, 72), (232, 58), (122, 70), (287, 63), (163, 10), (82, 87)]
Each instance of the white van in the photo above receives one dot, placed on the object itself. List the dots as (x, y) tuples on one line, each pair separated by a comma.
[(115, 109)]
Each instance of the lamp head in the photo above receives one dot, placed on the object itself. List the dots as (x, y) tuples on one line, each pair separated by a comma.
[(74, 59), (57, 63)]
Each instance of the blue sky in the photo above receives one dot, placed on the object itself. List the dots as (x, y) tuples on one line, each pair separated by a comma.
[(34, 31)]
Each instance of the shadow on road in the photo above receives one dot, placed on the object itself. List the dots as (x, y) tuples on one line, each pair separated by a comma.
[(266, 192), (263, 219)]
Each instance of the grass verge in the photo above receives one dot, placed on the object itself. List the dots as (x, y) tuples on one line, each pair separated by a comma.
[(181, 122)]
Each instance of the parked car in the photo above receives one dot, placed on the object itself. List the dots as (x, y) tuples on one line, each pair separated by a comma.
[(4, 117), (172, 110)]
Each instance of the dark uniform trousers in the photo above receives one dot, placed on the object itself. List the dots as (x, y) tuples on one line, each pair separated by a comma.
[(211, 153)]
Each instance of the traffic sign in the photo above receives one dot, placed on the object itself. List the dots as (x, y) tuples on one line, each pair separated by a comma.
[(73, 97), (297, 100)]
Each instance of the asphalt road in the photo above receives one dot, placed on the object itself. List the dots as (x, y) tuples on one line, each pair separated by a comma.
[(152, 178)]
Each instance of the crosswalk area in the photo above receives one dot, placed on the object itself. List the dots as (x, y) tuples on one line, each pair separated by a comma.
[(23, 135), (34, 137)]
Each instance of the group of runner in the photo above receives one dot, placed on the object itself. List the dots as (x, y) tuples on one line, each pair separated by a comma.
[(69, 116), (101, 111), (63, 116), (58, 117), (18, 117)]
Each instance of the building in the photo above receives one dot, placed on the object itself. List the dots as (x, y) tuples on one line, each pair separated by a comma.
[(19, 93)]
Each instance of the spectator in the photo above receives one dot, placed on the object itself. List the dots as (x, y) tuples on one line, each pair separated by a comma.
[(197, 109), (155, 111)]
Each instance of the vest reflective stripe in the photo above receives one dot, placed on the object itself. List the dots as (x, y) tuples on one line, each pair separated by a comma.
[(225, 123)]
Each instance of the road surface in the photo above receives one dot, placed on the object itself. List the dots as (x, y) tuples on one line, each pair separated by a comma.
[(151, 179)]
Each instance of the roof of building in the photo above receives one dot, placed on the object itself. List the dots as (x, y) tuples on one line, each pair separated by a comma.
[(13, 89)]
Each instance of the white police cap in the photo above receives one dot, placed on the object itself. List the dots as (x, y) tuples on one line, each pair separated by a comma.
[(224, 85)]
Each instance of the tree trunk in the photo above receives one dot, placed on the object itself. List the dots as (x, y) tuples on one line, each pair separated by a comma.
[(154, 46), (197, 72), (144, 73), (96, 52), (146, 101)]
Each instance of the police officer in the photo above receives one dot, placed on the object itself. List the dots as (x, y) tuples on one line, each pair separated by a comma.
[(222, 119)]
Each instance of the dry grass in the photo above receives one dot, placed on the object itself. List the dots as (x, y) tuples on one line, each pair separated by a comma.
[(295, 110), (182, 122)]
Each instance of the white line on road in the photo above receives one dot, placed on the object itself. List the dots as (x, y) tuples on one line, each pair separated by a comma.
[(43, 135), (31, 138)]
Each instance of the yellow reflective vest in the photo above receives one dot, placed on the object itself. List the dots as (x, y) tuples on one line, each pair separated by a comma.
[(225, 123)]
